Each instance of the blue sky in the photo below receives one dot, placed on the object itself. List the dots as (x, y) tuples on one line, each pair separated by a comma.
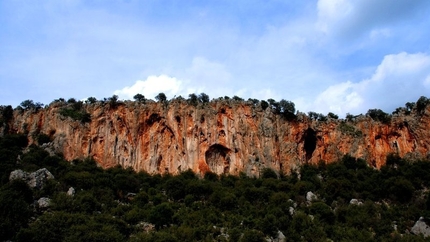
[(341, 56)]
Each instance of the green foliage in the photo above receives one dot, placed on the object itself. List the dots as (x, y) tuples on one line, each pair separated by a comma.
[(210, 176), (317, 116), (192, 99), (252, 236), (113, 101), (379, 115), (139, 98), (203, 98), (161, 215), (348, 129), (287, 108), (161, 97), (75, 111), (29, 104), (79, 115), (237, 98), (268, 173), (71, 100), (332, 115), (264, 104), (349, 117), (422, 103), (91, 100), (7, 114), (15, 199), (116, 204)]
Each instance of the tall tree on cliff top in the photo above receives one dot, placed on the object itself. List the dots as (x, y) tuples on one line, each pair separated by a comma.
[(161, 97)]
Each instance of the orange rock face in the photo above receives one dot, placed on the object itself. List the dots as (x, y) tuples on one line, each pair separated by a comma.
[(220, 136)]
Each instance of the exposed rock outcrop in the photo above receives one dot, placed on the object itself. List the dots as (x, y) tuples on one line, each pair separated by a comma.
[(355, 201), (220, 136), (310, 197), (71, 192), (43, 203), (421, 228), (34, 179)]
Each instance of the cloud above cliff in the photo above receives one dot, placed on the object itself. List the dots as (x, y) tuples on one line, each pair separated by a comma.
[(325, 55), (352, 18), (396, 76), (151, 87)]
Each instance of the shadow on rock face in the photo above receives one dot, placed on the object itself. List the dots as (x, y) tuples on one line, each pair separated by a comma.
[(310, 143), (218, 159)]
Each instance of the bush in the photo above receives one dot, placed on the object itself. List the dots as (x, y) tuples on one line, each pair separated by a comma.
[(91, 100), (203, 98), (113, 101), (139, 97), (379, 115), (287, 107), (78, 115), (15, 211), (422, 103), (264, 104), (29, 104), (161, 97), (192, 99), (161, 215), (7, 114), (332, 115), (268, 173)]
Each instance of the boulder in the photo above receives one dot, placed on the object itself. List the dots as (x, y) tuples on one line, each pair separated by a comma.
[(18, 175), (71, 192), (44, 202), (310, 196), (280, 237), (355, 201), (421, 227), (35, 179), (291, 211)]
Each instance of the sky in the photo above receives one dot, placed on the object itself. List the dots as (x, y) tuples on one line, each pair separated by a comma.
[(340, 56)]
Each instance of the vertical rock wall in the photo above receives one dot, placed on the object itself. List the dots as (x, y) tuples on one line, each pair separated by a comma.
[(220, 136)]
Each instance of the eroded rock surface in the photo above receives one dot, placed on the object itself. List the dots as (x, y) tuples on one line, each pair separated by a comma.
[(34, 179), (220, 136), (421, 228), (43, 202)]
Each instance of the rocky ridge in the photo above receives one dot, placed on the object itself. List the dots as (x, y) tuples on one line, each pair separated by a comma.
[(223, 136)]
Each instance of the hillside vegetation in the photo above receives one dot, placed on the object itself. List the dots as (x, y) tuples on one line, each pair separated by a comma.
[(119, 204)]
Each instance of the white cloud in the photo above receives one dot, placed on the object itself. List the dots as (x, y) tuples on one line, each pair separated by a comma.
[(352, 18), (202, 76), (330, 12), (151, 87), (339, 98), (399, 78), (265, 94)]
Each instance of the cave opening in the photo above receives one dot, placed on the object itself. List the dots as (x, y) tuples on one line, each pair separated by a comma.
[(310, 143), (155, 117), (218, 159)]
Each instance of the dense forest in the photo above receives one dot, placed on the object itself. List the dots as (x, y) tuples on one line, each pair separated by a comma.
[(343, 201)]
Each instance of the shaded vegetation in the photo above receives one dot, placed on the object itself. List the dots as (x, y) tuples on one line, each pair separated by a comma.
[(119, 204), (75, 110)]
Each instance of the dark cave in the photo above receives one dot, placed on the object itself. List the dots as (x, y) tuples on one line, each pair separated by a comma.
[(310, 143)]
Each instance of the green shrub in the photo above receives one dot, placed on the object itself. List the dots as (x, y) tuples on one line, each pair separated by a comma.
[(78, 115)]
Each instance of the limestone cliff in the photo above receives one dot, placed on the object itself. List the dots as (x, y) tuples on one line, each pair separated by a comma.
[(224, 136)]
